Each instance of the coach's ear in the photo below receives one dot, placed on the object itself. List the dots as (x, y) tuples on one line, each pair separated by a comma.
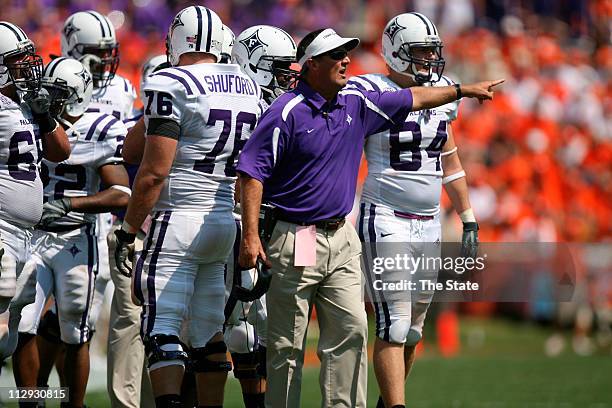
[(310, 65)]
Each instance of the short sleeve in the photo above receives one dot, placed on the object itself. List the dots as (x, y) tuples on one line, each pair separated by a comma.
[(163, 97), (265, 146), (382, 109), (108, 148)]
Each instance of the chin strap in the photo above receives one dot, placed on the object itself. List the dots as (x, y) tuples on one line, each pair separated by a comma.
[(69, 127)]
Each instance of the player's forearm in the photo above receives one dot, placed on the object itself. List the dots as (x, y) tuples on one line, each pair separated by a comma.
[(457, 191), (145, 193), (456, 188), (56, 147), (251, 191), (134, 143), (104, 201), (431, 97)]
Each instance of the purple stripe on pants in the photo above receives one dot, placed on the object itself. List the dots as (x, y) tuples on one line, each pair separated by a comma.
[(92, 244), (151, 272)]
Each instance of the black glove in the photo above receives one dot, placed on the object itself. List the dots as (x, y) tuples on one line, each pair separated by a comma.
[(124, 252), (469, 240), (53, 210), (39, 104)]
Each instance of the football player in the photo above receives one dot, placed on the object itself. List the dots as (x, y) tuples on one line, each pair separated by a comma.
[(128, 382), (65, 247), (27, 134), (90, 37), (265, 53), (407, 167), (197, 114), (228, 44)]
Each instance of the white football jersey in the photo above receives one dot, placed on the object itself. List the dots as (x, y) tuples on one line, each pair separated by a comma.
[(20, 154), (217, 108), (404, 164), (96, 139), (116, 99)]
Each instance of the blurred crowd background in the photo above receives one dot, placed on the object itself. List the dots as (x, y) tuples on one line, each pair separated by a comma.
[(538, 158)]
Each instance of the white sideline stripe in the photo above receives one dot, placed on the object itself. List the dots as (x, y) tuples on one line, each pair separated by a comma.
[(369, 104), (290, 105), (275, 136)]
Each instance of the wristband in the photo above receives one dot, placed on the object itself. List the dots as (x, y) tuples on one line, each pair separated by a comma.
[(128, 228), (467, 216), (459, 93)]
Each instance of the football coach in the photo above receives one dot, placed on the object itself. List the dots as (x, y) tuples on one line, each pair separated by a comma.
[(303, 158)]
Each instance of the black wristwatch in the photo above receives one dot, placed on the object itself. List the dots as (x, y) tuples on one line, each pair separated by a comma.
[(459, 93)]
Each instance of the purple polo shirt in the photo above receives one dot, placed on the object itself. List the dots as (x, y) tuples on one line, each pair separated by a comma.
[(306, 151)]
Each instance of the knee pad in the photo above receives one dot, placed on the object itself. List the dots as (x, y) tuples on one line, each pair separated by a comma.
[(163, 350), (246, 365), (201, 363), (240, 338), (398, 331), (49, 328), (413, 337)]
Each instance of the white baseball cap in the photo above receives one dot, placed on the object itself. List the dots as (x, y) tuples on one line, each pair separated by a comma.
[(327, 40)]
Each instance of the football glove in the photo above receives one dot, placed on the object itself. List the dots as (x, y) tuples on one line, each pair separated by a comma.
[(124, 252), (54, 210), (39, 104), (469, 240)]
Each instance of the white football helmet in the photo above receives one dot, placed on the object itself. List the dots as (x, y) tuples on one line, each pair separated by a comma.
[(19, 64), (154, 64), (70, 86), (195, 29), (405, 33), (228, 43), (90, 37), (265, 54)]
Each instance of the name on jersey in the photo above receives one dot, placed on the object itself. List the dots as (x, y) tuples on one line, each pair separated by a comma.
[(25, 122), (229, 83), (431, 112), (103, 101)]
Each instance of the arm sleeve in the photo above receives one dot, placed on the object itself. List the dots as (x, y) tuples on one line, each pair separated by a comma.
[(163, 97), (265, 147)]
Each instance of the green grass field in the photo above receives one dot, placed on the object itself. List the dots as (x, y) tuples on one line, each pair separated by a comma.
[(501, 365)]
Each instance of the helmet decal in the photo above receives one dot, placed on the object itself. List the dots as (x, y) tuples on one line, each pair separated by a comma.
[(252, 43)]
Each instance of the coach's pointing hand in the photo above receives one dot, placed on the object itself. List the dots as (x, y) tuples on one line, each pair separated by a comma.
[(481, 90)]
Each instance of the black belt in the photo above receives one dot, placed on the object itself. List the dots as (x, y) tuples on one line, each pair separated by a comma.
[(329, 224)]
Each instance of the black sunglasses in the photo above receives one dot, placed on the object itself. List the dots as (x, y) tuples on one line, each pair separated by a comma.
[(337, 54)]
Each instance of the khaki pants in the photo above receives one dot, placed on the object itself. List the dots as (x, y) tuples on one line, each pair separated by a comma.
[(334, 287), (128, 381)]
